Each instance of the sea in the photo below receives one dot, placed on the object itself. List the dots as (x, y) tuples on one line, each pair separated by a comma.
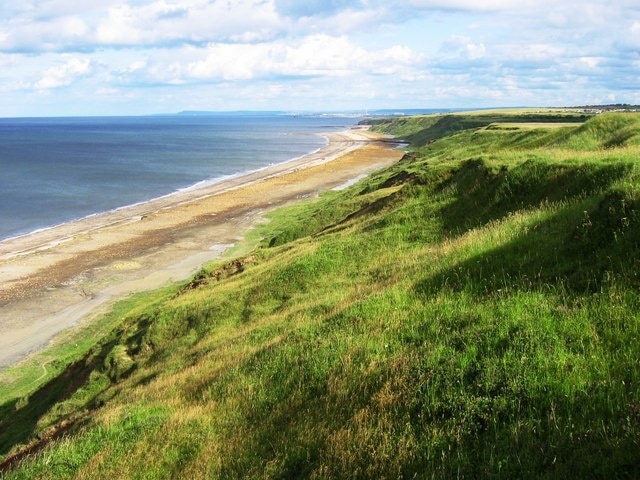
[(55, 170)]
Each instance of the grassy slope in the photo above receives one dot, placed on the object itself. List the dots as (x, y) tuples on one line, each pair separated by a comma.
[(471, 312)]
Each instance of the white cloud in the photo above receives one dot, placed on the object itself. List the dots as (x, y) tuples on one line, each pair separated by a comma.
[(590, 62), (68, 25), (635, 33), (108, 91), (316, 55), (475, 50), (281, 51), (43, 9), (120, 27), (477, 6), (65, 74), (47, 35), (458, 51), (538, 54), (192, 21), (343, 21)]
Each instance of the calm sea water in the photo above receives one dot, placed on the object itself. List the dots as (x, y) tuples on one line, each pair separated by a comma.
[(55, 170)]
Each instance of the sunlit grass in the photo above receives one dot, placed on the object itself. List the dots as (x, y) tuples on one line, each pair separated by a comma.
[(471, 312)]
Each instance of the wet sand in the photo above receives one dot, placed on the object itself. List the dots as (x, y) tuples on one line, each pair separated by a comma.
[(57, 278)]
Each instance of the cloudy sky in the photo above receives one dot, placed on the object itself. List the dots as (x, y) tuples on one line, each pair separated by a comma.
[(111, 57)]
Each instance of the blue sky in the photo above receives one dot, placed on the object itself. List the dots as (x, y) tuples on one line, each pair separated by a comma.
[(124, 57)]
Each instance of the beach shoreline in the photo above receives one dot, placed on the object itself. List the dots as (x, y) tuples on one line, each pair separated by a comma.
[(11, 246), (55, 278)]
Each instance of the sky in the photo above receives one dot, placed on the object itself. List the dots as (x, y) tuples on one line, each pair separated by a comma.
[(135, 57)]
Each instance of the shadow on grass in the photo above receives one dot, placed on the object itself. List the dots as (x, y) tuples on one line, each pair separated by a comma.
[(484, 194), (546, 450), (19, 418), (581, 248)]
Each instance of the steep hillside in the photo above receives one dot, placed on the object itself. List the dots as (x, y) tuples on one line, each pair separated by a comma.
[(471, 312)]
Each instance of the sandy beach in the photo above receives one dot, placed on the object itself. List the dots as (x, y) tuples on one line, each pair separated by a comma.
[(60, 277)]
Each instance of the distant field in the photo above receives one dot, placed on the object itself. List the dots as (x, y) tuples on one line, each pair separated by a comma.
[(506, 112), (529, 125)]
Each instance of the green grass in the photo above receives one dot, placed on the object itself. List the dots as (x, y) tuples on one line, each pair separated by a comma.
[(426, 129), (471, 312)]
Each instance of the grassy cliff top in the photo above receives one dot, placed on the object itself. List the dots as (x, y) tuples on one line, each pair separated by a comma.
[(470, 312)]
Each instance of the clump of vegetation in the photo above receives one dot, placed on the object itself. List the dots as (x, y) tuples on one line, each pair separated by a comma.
[(470, 312)]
